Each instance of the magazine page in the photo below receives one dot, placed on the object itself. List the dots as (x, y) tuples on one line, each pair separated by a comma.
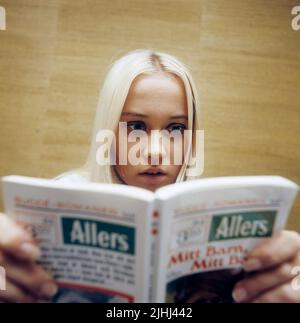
[(208, 227), (94, 238)]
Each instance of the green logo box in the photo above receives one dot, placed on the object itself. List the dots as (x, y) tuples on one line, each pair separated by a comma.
[(92, 233), (241, 225)]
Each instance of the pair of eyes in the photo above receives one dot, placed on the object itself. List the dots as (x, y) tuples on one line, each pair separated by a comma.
[(140, 125)]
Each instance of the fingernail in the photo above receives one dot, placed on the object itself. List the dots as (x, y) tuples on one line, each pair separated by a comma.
[(252, 264), (239, 294), (49, 289), (30, 250)]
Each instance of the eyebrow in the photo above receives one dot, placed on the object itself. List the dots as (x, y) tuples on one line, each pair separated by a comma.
[(145, 116)]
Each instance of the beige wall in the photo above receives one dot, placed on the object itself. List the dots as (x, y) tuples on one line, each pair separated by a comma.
[(244, 55)]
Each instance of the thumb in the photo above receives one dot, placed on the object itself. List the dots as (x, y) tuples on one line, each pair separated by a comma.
[(14, 240)]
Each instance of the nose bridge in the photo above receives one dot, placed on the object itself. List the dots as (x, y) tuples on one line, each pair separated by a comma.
[(156, 148), (155, 142)]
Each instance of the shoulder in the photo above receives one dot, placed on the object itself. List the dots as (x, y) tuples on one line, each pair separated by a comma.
[(72, 177)]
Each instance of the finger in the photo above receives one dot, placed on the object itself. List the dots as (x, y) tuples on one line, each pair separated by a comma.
[(282, 294), (30, 277), (260, 282), (274, 251), (16, 241), (13, 293)]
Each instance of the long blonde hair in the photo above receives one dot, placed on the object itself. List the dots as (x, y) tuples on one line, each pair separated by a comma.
[(112, 99)]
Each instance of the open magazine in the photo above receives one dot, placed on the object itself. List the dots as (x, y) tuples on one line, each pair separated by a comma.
[(115, 243)]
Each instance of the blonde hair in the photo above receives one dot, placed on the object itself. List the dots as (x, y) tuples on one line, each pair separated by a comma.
[(112, 99)]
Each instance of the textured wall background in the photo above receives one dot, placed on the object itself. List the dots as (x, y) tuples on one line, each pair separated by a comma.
[(244, 55)]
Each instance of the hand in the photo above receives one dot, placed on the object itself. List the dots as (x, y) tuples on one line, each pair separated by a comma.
[(270, 266), (25, 280)]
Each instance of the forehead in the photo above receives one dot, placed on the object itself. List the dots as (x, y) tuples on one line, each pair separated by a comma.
[(158, 92)]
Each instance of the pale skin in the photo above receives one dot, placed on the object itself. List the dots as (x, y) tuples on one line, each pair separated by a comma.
[(161, 99)]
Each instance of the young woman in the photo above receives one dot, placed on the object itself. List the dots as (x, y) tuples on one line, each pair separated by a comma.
[(148, 91)]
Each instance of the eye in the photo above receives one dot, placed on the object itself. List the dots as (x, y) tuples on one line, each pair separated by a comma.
[(136, 125), (176, 126)]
